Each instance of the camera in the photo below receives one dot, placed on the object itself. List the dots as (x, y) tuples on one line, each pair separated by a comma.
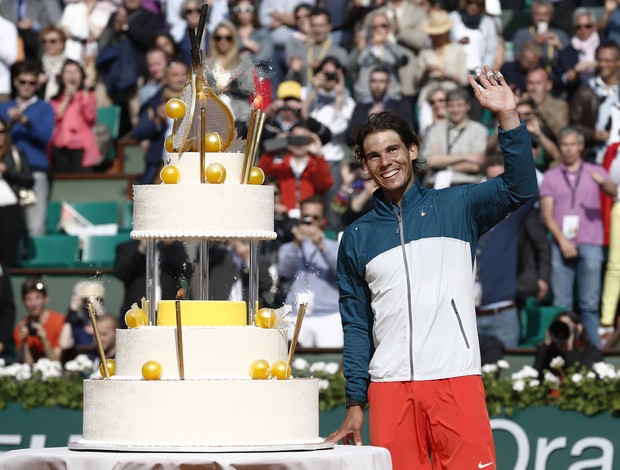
[(32, 331), (306, 220), (279, 144), (560, 332), (331, 76)]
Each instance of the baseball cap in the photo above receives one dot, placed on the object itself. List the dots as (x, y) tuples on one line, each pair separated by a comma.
[(289, 89)]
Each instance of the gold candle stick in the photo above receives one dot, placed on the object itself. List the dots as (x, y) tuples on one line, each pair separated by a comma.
[(248, 144), (93, 320), (177, 304), (300, 318), (257, 136), (203, 131)]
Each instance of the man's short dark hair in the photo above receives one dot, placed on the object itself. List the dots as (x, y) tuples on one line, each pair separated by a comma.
[(382, 69), (321, 11), (386, 121), (27, 66), (608, 44), (34, 284), (314, 199), (457, 94)]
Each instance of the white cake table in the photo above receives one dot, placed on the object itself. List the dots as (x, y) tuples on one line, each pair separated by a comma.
[(339, 458)]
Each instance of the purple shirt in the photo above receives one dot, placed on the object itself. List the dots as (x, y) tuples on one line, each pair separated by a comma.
[(586, 203)]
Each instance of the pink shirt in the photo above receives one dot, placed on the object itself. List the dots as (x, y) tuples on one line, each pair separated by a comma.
[(577, 194)]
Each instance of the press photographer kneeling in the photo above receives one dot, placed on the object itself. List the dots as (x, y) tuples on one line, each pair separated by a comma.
[(567, 339)]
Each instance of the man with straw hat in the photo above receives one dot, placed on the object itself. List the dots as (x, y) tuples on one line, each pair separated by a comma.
[(406, 281)]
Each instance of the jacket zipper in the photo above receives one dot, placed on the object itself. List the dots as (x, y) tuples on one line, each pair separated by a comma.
[(402, 244), (458, 317)]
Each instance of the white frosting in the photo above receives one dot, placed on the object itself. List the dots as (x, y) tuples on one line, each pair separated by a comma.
[(208, 352), (188, 164), (201, 412)]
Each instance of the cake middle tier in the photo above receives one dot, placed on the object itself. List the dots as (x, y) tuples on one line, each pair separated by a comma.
[(208, 352), (211, 211)]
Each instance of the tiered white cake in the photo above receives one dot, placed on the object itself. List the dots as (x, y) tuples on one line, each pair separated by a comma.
[(217, 404)]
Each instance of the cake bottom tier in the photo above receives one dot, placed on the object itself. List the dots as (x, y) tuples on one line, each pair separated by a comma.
[(201, 412)]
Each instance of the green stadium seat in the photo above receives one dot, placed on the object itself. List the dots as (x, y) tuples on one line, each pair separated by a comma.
[(535, 320), (100, 250), (98, 213), (110, 117), (55, 250), (52, 216), (127, 216)]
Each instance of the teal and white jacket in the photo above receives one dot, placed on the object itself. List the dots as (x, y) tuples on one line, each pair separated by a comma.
[(406, 277)]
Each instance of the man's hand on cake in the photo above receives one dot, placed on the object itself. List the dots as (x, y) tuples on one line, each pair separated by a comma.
[(351, 429)]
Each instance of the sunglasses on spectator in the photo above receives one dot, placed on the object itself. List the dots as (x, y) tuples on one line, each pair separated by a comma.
[(222, 38), (27, 82), (313, 217), (438, 100), (192, 10), (247, 9), (50, 41), (583, 26), (380, 25)]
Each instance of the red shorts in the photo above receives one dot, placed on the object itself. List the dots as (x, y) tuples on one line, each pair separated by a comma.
[(444, 420)]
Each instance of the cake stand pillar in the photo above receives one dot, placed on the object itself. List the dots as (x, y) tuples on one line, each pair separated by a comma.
[(253, 282), (152, 279), (203, 266)]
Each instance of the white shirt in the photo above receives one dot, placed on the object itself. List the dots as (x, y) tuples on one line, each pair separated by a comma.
[(8, 53)]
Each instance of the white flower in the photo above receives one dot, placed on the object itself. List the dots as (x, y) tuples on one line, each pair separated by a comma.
[(489, 368), (332, 368), (518, 385), (576, 378), (318, 366), (527, 372), (550, 377), (557, 362), (503, 364), (48, 368), (2, 362), (591, 375), (95, 374), (323, 384), (604, 370), (300, 363), (534, 383)]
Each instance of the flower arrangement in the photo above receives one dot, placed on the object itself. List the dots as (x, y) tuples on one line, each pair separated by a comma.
[(589, 391), (576, 388)]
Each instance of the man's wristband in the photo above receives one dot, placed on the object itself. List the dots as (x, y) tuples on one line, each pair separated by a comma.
[(349, 402)]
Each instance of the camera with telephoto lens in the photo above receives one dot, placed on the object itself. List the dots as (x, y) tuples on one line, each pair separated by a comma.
[(306, 220), (560, 332)]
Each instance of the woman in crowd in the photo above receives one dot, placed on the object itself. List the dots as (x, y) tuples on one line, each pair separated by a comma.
[(230, 73), (53, 40), (14, 175), (165, 42), (435, 111), (190, 12), (73, 145)]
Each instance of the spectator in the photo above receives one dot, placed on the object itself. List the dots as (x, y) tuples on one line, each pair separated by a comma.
[(74, 147), (38, 335), (53, 40), (154, 125), (309, 262), (593, 101), (31, 121), (10, 52), (567, 338), (14, 175), (164, 41), (375, 45), (283, 225), (328, 101), (476, 32), (277, 17), (454, 149), (30, 17), (121, 60), (553, 112), (444, 64), (379, 83), (230, 72), (496, 279), (156, 63), (190, 13), (253, 40), (303, 58), (515, 72), (130, 268), (609, 22), (435, 112), (302, 23), (407, 19), (549, 154), (239, 251), (299, 167), (577, 62), (78, 336), (107, 325), (356, 192), (7, 314), (611, 284), (570, 205), (552, 40)]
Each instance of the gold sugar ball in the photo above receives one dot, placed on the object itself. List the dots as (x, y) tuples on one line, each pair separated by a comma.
[(215, 173), (213, 142), (170, 174), (175, 108)]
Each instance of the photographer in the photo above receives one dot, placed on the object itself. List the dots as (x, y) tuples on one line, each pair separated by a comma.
[(309, 263), (38, 335), (567, 339), (296, 161)]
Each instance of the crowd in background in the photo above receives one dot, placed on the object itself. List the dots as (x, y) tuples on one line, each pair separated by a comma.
[(321, 68)]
